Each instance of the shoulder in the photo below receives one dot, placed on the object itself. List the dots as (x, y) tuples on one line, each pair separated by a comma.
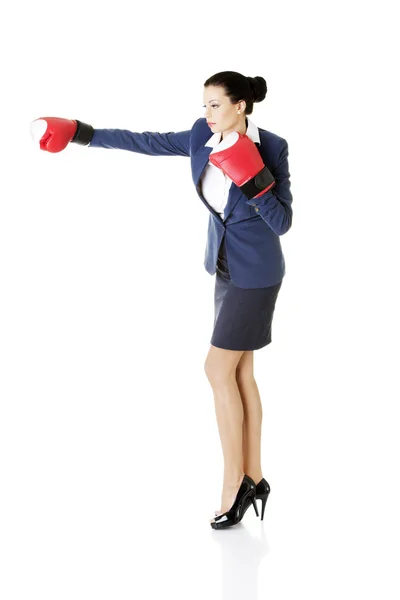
[(273, 139), (200, 127), (273, 148), (200, 134)]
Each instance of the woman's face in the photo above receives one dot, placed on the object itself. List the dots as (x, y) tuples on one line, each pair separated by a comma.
[(220, 113)]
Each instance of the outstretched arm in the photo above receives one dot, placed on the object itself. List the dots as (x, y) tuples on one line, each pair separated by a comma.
[(151, 143), (54, 134)]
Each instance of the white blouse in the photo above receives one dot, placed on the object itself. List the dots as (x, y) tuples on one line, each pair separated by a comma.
[(215, 185)]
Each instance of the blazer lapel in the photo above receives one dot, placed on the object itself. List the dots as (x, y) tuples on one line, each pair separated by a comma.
[(233, 199), (199, 163)]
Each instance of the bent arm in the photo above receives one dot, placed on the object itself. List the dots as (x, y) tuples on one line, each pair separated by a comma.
[(275, 206)]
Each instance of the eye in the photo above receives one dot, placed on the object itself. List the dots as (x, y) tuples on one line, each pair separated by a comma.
[(212, 106)]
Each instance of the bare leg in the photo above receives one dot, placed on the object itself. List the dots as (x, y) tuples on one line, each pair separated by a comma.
[(220, 368), (252, 424), (252, 416), (229, 412)]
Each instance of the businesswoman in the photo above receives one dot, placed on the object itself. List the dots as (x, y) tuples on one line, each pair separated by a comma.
[(241, 174)]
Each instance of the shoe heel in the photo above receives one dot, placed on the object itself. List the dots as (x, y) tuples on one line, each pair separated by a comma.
[(262, 492), (264, 498), (255, 505)]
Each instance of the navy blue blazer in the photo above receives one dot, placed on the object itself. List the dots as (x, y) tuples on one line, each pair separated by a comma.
[(252, 227)]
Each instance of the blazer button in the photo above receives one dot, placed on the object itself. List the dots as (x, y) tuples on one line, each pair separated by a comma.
[(257, 209)]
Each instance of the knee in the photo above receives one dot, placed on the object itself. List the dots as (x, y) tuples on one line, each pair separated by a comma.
[(245, 378), (209, 369), (245, 369), (215, 374)]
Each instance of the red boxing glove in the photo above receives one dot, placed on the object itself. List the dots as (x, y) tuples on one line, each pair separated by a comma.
[(54, 134), (237, 156)]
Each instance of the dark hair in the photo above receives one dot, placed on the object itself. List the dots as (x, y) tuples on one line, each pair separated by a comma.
[(239, 87)]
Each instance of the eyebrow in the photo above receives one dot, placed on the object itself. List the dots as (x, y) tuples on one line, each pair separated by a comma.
[(215, 100)]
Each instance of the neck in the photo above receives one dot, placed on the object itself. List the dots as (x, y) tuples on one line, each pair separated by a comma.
[(241, 127)]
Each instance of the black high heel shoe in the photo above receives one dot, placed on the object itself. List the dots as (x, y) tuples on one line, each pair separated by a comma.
[(245, 495), (262, 491)]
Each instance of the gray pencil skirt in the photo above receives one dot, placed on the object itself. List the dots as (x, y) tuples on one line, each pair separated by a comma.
[(242, 317)]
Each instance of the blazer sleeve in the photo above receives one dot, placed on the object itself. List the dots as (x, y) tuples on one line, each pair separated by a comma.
[(147, 142), (275, 206)]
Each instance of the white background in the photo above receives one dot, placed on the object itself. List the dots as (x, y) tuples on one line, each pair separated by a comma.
[(110, 458)]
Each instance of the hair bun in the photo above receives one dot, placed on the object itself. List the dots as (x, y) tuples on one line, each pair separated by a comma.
[(258, 86)]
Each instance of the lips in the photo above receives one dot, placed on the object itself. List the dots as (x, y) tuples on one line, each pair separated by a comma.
[(210, 123)]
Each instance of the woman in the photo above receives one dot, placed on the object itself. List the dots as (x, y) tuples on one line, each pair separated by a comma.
[(242, 176)]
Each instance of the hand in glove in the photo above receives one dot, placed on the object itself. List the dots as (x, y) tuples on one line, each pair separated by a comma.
[(238, 157)]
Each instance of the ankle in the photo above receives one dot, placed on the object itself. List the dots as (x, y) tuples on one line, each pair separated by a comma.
[(256, 477), (233, 480)]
